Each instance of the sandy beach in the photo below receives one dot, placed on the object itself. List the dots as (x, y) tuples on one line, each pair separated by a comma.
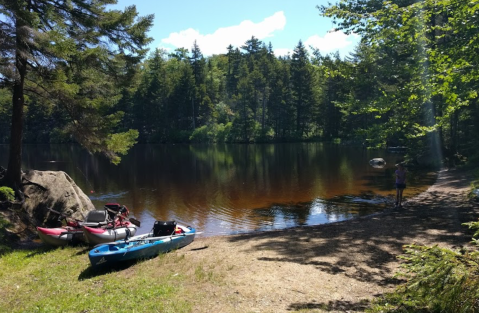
[(337, 267)]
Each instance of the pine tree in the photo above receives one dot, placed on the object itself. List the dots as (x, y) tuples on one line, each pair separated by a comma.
[(302, 87), (74, 54)]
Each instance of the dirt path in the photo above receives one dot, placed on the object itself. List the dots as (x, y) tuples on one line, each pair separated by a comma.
[(328, 268)]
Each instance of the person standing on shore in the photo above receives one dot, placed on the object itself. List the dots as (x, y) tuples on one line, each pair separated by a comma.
[(400, 183)]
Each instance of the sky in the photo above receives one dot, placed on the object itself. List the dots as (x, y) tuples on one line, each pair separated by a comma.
[(215, 24)]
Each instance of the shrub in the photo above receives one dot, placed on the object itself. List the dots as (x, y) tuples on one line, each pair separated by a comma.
[(223, 134), (7, 194), (202, 134), (438, 280), (211, 133)]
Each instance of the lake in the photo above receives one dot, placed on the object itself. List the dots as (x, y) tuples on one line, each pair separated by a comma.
[(233, 188)]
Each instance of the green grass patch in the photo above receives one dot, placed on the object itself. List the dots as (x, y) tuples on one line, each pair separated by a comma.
[(61, 280)]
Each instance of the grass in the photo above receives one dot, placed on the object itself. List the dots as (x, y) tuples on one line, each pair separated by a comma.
[(61, 280)]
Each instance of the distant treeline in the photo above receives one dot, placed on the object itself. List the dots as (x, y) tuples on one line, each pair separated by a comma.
[(246, 95), (407, 83)]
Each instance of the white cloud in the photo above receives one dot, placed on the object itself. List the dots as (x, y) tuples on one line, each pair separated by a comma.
[(237, 35), (283, 52), (332, 41)]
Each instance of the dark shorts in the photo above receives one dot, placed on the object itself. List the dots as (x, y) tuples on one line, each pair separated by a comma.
[(400, 186)]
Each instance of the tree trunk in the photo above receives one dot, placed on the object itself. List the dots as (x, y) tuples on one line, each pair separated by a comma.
[(14, 171), (194, 114), (264, 110), (13, 177)]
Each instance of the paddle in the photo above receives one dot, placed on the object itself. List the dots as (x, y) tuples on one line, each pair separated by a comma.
[(71, 233), (146, 239), (163, 237), (63, 215), (134, 221)]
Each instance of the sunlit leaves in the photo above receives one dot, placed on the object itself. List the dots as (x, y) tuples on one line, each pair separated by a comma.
[(431, 47), (120, 143), (437, 280)]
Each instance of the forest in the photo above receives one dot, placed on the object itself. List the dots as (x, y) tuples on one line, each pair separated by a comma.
[(412, 81)]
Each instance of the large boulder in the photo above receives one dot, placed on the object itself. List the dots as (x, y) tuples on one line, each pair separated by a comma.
[(48, 191)]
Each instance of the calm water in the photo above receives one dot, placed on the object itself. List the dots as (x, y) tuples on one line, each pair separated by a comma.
[(227, 189)]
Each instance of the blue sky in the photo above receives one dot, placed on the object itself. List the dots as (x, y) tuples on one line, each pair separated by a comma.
[(215, 24)]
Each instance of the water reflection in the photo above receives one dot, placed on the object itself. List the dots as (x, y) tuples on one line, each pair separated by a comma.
[(224, 189)]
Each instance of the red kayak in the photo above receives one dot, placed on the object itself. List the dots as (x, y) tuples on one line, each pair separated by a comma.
[(120, 229), (112, 215), (96, 236), (61, 236)]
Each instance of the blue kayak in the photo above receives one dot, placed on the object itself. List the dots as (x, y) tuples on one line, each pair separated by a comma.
[(141, 246)]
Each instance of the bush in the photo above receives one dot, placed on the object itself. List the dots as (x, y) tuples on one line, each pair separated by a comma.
[(223, 134), (211, 133), (202, 134), (438, 280), (7, 194)]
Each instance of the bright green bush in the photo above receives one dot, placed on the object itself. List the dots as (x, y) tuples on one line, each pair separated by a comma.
[(438, 280), (7, 194), (202, 134), (211, 133), (223, 133)]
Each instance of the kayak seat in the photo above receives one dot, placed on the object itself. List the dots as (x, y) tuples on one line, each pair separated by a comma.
[(114, 209), (96, 217), (164, 228)]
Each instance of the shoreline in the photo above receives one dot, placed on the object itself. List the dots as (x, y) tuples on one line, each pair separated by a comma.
[(334, 267)]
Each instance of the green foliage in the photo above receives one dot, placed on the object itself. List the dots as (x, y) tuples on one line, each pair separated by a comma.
[(422, 52), (7, 194), (120, 143), (80, 71), (223, 133), (410, 82), (438, 280), (474, 225), (203, 134), (213, 133)]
